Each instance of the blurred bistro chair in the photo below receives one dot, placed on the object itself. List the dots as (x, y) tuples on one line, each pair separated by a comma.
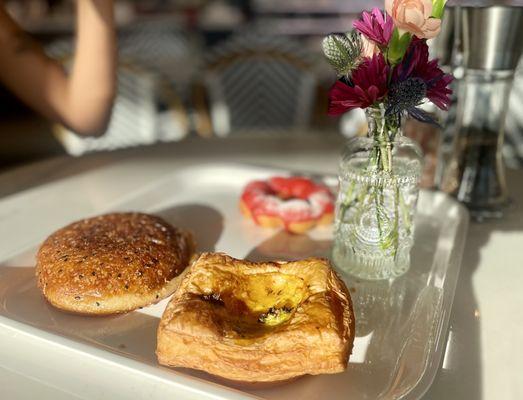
[(160, 46), (150, 106), (254, 83)]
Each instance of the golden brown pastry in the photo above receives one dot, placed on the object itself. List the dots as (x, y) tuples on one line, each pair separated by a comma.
[(112, 263), (258, 322)]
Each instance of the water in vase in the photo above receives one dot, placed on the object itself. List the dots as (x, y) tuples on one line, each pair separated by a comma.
[(374, 218)]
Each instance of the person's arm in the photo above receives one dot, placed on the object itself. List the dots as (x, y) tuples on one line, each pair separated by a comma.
[(81, 100)]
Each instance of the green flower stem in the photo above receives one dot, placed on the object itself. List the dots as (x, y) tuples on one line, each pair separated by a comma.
[(405, 212), (378, 196), (383, 131), (380, 164), (397, 196)]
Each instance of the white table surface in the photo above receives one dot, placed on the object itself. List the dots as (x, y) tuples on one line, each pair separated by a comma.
[(484, 355)]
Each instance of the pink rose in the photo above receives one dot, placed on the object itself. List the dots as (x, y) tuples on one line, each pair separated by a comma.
[(369, 48), (414, 16)]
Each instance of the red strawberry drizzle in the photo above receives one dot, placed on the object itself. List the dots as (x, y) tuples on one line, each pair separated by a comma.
[(294, 187)]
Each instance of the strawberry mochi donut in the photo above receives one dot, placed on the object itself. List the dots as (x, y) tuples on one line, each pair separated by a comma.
[(296, 204)]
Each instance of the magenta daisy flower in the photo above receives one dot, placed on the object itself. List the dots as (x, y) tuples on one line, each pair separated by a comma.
[(367, 85), (376, 26)]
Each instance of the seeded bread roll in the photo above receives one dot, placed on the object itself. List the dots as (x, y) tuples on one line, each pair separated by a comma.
[(112, 263)]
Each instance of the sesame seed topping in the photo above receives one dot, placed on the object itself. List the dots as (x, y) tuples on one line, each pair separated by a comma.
[(99, 254)]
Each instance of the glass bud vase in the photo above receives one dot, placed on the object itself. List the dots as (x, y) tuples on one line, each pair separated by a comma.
[(379, 185)]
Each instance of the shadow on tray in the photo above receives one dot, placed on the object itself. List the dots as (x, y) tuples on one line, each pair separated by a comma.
[(206, 223)]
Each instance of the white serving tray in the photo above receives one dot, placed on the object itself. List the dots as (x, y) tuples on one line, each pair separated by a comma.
[(400, 326)]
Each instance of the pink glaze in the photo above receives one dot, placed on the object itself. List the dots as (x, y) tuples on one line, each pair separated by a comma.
[(293, 200)]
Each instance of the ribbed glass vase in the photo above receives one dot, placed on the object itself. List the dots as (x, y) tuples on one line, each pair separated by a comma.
[(379, 184)]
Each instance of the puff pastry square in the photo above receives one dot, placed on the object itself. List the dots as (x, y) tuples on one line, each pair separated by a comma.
[(258, 322)]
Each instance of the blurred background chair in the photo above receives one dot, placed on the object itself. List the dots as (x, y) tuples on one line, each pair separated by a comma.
[(149, 105), (161, 45), (164, 45), (256, 83), (215, 67), (144, 112)]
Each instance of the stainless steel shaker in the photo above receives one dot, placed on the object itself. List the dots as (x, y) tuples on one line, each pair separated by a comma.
[(492, 39)]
